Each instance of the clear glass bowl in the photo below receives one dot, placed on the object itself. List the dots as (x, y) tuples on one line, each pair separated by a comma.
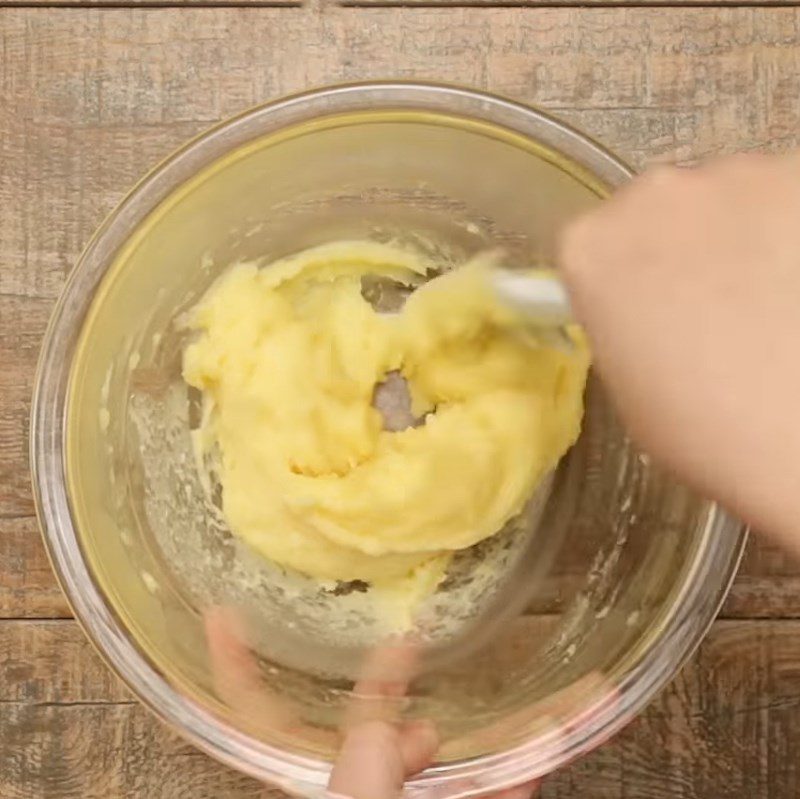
[(610, 592)]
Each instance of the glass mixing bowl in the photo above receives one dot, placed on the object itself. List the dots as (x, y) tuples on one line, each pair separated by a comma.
[(601, 599)]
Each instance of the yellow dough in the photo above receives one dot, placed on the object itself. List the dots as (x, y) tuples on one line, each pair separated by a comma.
[(288, 357)]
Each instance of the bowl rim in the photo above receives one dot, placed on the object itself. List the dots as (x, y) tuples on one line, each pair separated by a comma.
[(291, 772)]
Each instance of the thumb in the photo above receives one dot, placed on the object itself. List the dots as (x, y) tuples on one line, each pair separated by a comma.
[(377, 757)]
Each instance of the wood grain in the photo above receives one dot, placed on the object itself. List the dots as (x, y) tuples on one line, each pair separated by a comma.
[(560, 3), (90, 98), (728, 726), (178, 4), (89, 101)]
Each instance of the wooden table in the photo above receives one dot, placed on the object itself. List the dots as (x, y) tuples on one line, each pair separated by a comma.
[(91, 97)]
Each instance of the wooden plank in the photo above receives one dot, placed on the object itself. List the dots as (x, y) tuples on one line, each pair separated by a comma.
[(84, 119), (28, 588), (383, 3), (56, 694), (560, 3), (180, 4), (767, 585), (51, 662), (728, 726), (106, 750), (22, 322), (90, 99), (27, 585)]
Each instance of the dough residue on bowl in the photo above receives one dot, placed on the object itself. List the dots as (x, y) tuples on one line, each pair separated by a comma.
[(288, 356)]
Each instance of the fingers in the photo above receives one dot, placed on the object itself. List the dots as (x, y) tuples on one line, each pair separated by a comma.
[(379, 693), (377, 757), (237, 677), (369, 765), (379, 753), (233, 667), (418, 741)]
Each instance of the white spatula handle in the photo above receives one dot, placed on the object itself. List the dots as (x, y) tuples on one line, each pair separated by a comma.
[(539, 295)]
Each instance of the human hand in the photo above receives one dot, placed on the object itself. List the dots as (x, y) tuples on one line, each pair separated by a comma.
[(378, 751), (688, 284), (377, 758)]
